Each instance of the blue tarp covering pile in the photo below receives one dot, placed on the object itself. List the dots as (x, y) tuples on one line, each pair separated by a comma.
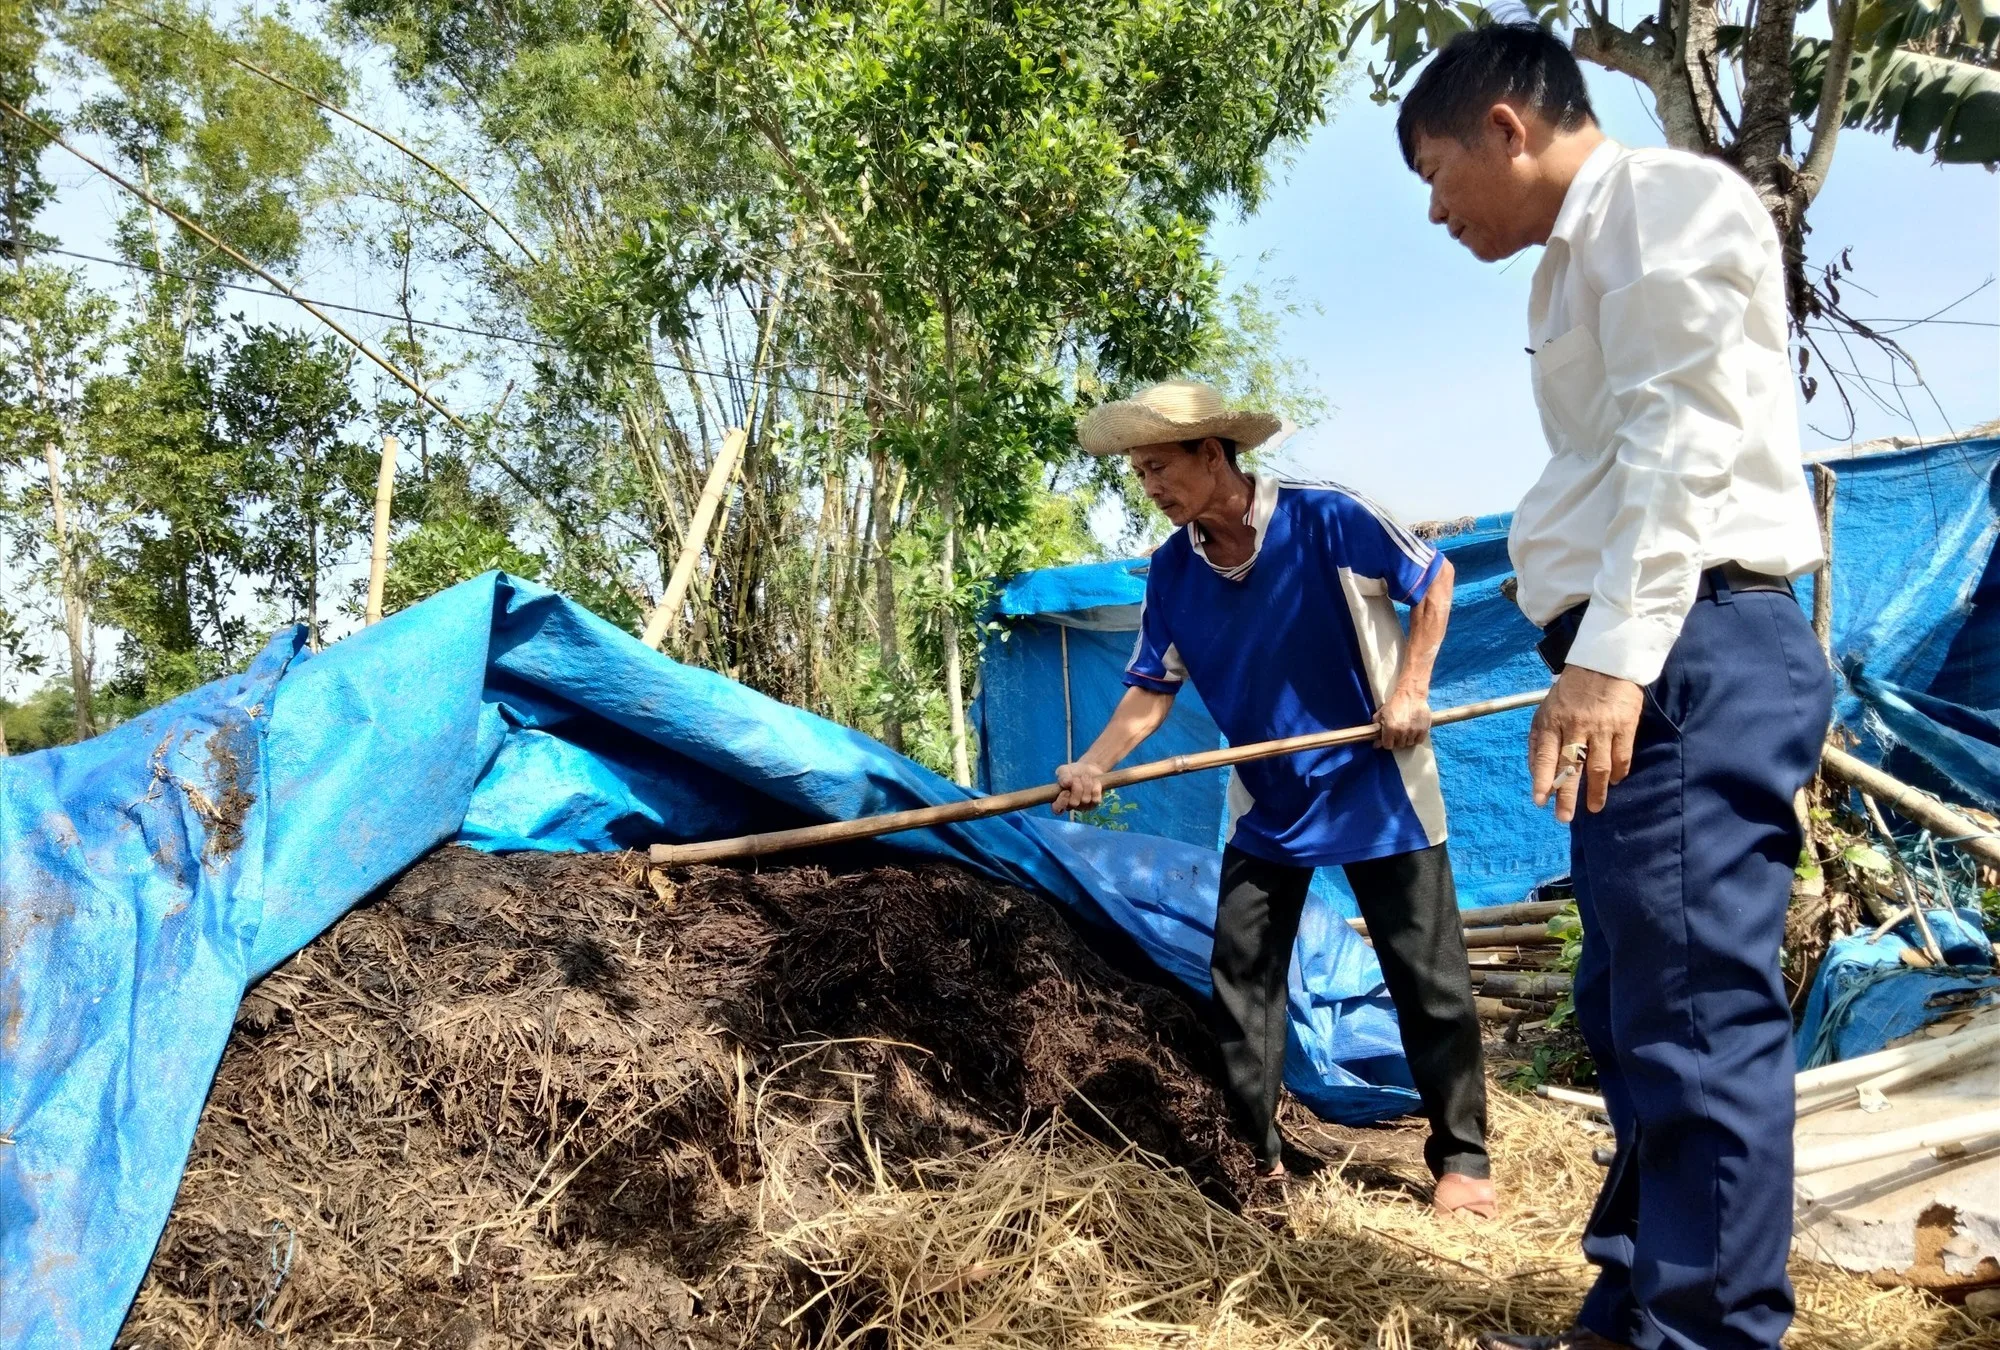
[(1916, 636), (149, 875)]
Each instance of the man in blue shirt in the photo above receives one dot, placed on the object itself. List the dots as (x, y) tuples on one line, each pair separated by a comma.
[(1277, 600)]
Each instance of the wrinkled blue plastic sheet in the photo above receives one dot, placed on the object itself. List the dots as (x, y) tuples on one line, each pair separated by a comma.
[(149, 875), (1502, 848), (1916, 637), (1866, 996)]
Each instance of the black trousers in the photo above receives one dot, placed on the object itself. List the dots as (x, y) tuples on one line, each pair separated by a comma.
[(1411, 907)]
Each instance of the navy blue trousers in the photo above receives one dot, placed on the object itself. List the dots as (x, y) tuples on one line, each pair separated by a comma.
[(1682, 883)]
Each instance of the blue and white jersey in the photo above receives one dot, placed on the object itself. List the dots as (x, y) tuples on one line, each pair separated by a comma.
[(1302, 637)]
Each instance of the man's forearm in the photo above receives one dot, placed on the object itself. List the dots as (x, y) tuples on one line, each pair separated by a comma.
[(1137, 716), (1428, 620)]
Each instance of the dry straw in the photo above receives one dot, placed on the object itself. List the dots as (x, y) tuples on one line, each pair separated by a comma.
[(1051, 1238), (535, 1102)]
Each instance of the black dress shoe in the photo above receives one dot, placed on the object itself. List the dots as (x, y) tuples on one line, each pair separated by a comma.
[(1576, 1338)]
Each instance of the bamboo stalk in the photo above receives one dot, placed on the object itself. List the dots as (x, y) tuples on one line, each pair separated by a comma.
[(1000, 803), (378, 553), (1493, 916), (1948, 825), (662, 618), (1513, 935), (1517, 984)]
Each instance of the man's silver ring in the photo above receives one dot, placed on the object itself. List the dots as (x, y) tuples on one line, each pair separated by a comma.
[(1576, 752)]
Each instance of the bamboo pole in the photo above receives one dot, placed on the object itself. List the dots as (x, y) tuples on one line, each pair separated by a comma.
[(1000, 803), (1069, 720), (378, 553), (1822, 615), (1518, 984), (661, 620), (1493, 916), (1512, 935), (1948, 825)]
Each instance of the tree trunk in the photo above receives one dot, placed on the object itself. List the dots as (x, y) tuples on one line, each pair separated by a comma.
[(72, 594), (312, 578), (954, 676), (1694, 67), (885, 593), (954, 683)]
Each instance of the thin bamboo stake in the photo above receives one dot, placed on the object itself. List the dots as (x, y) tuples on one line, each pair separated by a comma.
[(378, 553), (1902, 873), (1069, 720), (1823, 577), (662, 618), (1000, 803), (1948, 825)]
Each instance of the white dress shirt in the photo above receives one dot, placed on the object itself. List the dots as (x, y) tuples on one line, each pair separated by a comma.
[(1658, 329)]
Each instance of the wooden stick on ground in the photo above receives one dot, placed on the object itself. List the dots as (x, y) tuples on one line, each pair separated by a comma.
[(378, 553), (1948, 825), (1000, 803), (692, 545), (1493, 916)]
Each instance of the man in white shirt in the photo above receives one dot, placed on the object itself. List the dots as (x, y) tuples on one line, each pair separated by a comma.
[(1656, 553)]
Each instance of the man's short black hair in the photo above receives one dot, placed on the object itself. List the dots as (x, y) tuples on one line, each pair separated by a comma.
[(1193, 447), (1518, 63)]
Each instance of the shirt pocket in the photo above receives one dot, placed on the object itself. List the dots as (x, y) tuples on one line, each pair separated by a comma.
[(1570, 389)]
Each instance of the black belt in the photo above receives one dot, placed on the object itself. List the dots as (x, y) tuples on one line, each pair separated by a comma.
[(1717, 583)]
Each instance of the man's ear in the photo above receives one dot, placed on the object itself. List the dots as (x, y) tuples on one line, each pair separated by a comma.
[(1212, 453), (1505, 124)]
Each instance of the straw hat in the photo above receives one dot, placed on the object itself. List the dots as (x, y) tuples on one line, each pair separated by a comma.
[(1178, 410)]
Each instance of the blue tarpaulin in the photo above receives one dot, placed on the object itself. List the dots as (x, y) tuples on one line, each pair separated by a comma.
[(1866, 995), (149, 875), (1916, 636)]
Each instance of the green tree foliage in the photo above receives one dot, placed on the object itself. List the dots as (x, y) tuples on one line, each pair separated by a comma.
[(902, 245)]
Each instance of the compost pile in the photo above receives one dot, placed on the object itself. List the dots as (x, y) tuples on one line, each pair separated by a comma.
[(567, 1100)]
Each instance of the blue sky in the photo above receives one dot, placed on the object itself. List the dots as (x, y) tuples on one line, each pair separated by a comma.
[(1417, 347)]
